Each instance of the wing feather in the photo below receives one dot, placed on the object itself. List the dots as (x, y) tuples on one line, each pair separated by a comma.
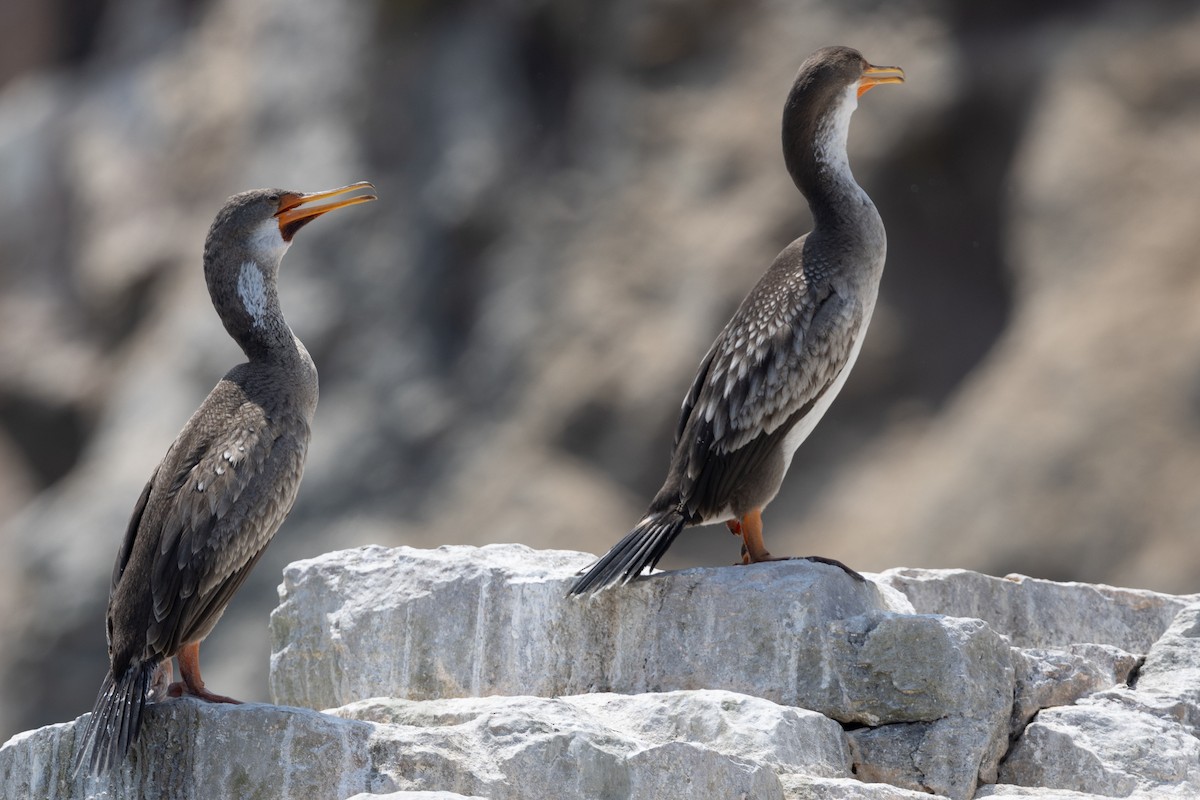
[(693, 394), (783, 349), (753, 390), (235, 491), (131, 531)]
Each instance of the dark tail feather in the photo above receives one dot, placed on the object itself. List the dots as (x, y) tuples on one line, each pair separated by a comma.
[(642, 547), (115, 721)]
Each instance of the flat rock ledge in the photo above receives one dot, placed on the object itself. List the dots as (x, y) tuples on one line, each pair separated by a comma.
[(467, 672)]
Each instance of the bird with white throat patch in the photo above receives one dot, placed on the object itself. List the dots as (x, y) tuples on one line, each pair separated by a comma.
[(226, 484), (778, 364)]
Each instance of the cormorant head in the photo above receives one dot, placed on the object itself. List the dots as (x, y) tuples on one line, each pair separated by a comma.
[(262, 222), (246, 243), (816, 116), (832, 71)]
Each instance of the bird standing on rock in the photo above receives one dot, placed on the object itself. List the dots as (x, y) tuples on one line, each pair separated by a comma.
[(226, 483), (778, 364)]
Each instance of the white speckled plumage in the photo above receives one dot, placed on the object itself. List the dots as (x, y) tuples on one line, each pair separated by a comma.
[(776, 367)]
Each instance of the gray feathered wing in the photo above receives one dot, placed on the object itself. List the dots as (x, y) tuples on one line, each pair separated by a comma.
[(770, 365), (217, 498), (783, 350), (197, 529)]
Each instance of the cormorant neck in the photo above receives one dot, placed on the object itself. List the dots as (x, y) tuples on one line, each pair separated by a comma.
[(240, 272), (814, 149), (256, 319)]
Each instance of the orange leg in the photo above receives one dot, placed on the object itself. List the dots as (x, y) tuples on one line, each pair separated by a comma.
[(734, 525), (753, 549), (192, 684)]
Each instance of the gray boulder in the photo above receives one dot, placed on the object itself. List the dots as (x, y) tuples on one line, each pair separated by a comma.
[(1101, 747), (1127, 739), (1047, 677), (190, 750), (677, 745), (748, 729), (466, 673), (1169, 679), (414, 796), (465, 621), (1033, 612)]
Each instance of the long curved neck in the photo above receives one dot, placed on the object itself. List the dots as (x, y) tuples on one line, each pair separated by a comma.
[(244, 294), (240, 272), (260, 329), (814, 149)]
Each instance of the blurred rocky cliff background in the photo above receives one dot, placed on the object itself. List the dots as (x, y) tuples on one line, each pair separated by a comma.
[(573, 198)]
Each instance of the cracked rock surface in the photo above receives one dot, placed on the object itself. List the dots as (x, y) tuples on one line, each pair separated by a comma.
[(467, 672)]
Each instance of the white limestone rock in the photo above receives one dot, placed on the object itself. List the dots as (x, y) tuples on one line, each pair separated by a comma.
[(748, 729), (519, 748), (414, 796), (1040, 613), (678, 745), (191, 750), (1138, 739), (1170, 677), (926, 757), (516, 692), (802, 787), (955, 680), (1101, 747), (1046, 677), (464, 621), (1008, 790), (918, 668)]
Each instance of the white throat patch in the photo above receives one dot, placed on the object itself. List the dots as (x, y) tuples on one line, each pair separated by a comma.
[(266, 242), (252, 289), (267, 246), (833, 134), (830, 147)]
